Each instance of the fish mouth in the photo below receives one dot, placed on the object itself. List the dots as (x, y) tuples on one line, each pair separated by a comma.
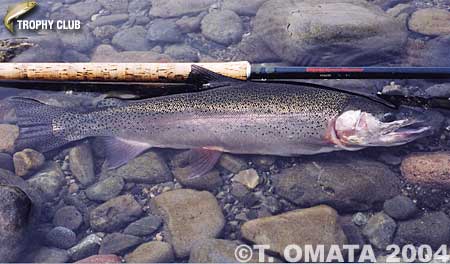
[(356, 129)]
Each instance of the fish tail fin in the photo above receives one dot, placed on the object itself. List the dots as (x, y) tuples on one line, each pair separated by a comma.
[(9, 24), (35, 122)]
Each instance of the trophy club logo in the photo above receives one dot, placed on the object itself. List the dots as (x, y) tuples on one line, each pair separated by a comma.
[(23, 8)]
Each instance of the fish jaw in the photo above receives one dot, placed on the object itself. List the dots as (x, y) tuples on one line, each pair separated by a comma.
[(354, 129)]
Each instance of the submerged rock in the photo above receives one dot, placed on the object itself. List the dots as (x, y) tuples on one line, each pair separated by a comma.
[(430, 229), (312, 226), (48, 181), (115, 6), (151, 252), (15, 210), (61, 237), (110, 258), (175, 8), (82, 164), (6, 162), (164, 31), (69, 217), (243, 8), (249, 178), (224, 27), (189, 216), (400, 207), (50, 255), (345, 184), (87, 247), (115, 213), (144, 226), (27, 161), (8, 136), (118, 243), (105, 189), (149, 167), (379, 230), (323, 32), (85, 9), (431, 169), (106, 53), (137, 34), (430, 21)]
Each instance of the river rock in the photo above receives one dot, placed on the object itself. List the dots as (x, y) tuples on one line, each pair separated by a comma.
[(164, 31), (345, 184), (219, 251), (189, 216), (431, 169), (115, 6), (15, 210), (175, 8), (431, 229), (232, 163), (137, 33), (208, 181), (110, 258), (50, 255), (105, 32), (249, 178), (48, 181), (243, 8), (109, 20), (115, 213), (8, 136), (188, 24), (137, 6), (323, 32), (85, 9), (151, 252), (105, 189), (118, 243), (61, 237), (430, 21), (87, 247), (379, 230), (106, 53), (182, 52), (400, 207), (253, 49), (68, 217), (144, 226), (224, 27), (312, 226), (149, 168), (433, 53), (27, 161), (82, 164), (46, 48), (80, 40), (439, 90)]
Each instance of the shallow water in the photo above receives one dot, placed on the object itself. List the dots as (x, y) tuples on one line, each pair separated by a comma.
[(70, 190)]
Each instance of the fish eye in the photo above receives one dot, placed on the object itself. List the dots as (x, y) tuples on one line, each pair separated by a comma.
[(388, 117)]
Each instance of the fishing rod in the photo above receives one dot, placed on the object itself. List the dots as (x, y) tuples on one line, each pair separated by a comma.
[(179, 72)]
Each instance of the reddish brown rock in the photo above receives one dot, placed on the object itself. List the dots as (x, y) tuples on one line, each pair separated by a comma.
[(26, 161), (431, 169), (430, 21), (101, 259)]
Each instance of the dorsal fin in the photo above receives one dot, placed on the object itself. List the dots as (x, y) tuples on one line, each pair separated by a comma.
[(200, 75)]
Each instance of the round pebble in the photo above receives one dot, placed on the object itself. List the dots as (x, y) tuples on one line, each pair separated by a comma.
[(68, 217), (61, 237)]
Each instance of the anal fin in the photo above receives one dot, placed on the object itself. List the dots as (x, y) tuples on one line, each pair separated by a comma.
[(119, 151)]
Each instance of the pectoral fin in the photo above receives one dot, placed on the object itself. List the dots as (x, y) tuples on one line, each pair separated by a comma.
[(200, 161), (119, 151)]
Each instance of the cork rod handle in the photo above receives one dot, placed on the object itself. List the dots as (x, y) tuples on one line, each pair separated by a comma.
[(116, 72)]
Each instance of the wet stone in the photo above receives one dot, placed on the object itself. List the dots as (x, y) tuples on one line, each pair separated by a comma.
[(144, 226), (87, 247), (78, 40), (74, 56), (15, 209), (115, 213), (136, 6), (360, 219), (208, 181), (85, 9), (224, 27), (165, 31), (176, 8), (8, 136), (312, 226), (137, 33), (182, 52), (82, 164), (439, 90), (117, 243), (346, 184), (248, 178), (243, 8), (151, 252), (110, 258), (232, 163), (379, 230), (149, 167), (61, 237), (108, 22), (432, 229), (430, 169), (69, 217), (50, 255), (6, 162), (48, 181), (189, 216), (430, 21), (238, 190), (105, 32), (106, 53), (106, 189), (115, 6), (27, 161), (188, 24), (400, 207)]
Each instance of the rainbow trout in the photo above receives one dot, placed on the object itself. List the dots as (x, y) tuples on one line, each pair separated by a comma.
[(15, 12), (240, 117)]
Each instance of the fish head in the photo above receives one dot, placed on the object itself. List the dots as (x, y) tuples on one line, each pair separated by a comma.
[(30, 4), (356, 129)]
